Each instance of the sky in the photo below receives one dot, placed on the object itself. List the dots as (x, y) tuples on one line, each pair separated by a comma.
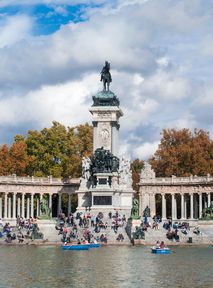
[(161, 55)]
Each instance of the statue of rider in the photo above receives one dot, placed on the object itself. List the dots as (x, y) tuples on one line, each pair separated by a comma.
[(106, 76)]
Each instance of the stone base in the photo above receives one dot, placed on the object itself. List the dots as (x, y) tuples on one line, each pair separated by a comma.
[(102, 199)]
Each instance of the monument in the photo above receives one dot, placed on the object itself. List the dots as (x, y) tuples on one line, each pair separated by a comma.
[(106, 182)]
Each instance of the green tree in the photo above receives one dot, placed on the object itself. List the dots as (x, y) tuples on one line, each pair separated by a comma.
[(136, 166), (58, 150), (183, 153)]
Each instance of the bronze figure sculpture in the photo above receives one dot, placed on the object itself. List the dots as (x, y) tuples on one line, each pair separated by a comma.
[(106, 76)]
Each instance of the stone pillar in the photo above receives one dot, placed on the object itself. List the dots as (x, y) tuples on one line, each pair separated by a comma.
[(152, 205), (5, 205), (37, 207), (200, 205), (209, 199), (1, 206), (28, 207), (115, 138), (50, 204), (23, 206), (40, 200), (182, 206), (9, 207), (59, 203), (163, 207), (32, 206), (191, 206), (14, 205), (185, 208), (18, 206), (69, 203), (175, 207), (94, 135)]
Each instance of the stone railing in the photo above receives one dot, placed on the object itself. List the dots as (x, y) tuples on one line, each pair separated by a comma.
[(177, 180), (37, 180)]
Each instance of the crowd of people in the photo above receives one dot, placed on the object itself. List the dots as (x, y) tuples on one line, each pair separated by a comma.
[(25, 230), (173, 229), (81, 227)]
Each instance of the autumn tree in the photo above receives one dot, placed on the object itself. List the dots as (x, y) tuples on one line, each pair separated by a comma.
[(19, 157), (183, 153), (5, 161)]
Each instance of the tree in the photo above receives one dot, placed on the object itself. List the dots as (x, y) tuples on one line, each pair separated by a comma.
[(136, 167), (58, 150), (19, 158), (5, 161), (183, 153)]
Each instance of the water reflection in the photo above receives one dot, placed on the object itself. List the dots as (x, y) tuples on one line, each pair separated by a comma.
[(106, 267)]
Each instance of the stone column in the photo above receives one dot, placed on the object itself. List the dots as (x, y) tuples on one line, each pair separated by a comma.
[(50, 204), (1, 206), (23, 206), (14, 205), (40, 200), (163, 207), (5, 205), (9, 207), (59, 203), (18, 206), (185, 208), (209, 199), (69, 203), (94, 135), (175, 207), (191, 206), (200, 205), (28, 207), (37, 207), (32, 205), (182, 206), (115, 138), (152, 204)]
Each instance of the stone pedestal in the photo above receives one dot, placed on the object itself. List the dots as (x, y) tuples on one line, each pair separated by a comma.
[(106, 127), (106, 196), (106, 182)]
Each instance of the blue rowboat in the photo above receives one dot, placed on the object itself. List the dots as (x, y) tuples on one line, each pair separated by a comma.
[(94, 245), (75, 247), (160, 251)]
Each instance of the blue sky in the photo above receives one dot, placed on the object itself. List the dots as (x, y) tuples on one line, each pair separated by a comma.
[(49, 18), (161, 55)]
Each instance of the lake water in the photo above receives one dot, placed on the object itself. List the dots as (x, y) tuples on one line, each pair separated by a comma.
[(132, 267)]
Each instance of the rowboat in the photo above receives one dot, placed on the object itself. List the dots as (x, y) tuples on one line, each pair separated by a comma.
[(94, 245), (160, 251), (81, 246), (75, 247)]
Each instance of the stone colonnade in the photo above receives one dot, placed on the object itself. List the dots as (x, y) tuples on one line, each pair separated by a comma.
[(176, 197), (190, 205), (27, 205), (22, 196)]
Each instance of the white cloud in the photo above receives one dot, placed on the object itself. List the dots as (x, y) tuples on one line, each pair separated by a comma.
[(14, 29), (160, 71), (146, 150)]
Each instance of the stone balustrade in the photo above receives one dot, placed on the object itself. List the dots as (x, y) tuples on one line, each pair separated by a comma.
[(37, 180), (172, 180)]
